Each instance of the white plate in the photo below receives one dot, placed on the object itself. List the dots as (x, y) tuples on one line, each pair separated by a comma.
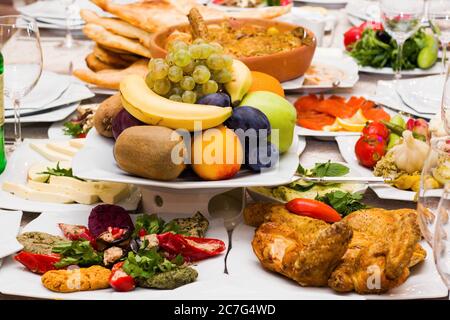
[(310, 13), (324, 2), (422, 94), (96, 161), (50, 87), (10, 224), (15, 280), (436, 69), (384, 191), (56, 130), (56, 9), (54, 110), (51, 115), (424, 281), (98, 90), (332, 58), (364, 10), (386, 94), (17, 171), (261, 197)]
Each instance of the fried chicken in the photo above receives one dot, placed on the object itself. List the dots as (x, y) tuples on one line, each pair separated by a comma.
[(383, 248), (301, 248), (83, 279), (369, 251)]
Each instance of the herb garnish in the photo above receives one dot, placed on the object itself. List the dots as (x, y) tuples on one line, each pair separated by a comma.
[(60, 172), (153, 224), (78, 253), (343, 202), (325, 169), (73, 129)]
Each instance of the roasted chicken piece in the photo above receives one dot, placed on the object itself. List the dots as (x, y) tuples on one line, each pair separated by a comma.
[(383, 248), (301, 248)]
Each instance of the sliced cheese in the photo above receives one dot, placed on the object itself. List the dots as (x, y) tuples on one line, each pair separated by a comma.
[(35, 171), (34, 195), (77, 196), (111, 193), (77, 143), (49, 154), (108, 192), (63, 147)]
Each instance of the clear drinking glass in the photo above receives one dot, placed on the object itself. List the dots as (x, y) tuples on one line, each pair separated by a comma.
[(441, 243), (439, 17), (401, 19), (445, 103), (22, 57), (435, 174), (71, 9)]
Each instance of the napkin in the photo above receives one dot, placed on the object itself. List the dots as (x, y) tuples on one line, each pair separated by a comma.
[(10, 223)]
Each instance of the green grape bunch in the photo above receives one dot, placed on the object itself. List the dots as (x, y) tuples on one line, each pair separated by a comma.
[(190, 71)]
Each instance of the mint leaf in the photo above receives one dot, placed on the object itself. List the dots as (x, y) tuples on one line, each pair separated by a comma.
[(343, 202), (329, 169)]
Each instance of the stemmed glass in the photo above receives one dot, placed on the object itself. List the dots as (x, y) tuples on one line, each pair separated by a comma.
[(441, 243), (401, 19), (439, 17), (445, 103), (435, 174), (22, 57), (70, 9)]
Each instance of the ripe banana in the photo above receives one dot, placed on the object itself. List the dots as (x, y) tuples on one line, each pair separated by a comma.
[(151, 108), (241, 83)]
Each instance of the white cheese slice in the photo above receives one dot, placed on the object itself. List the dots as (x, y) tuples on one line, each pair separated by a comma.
[(35, 171), (108, 192), (63, 147), (77, 143), (49, 154), (77, 196), (34, 195)]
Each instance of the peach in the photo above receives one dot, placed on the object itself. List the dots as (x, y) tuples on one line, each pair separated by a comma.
[(216, 154)]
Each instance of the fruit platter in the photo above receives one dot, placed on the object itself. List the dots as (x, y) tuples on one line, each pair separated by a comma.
[(227, 157)]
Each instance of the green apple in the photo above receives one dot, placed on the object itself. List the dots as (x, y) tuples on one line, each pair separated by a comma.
[(281, 114)]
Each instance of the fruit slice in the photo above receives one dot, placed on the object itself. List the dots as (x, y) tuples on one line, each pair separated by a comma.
[(149, 107), (353, 124), (265, 82), (241, 83)]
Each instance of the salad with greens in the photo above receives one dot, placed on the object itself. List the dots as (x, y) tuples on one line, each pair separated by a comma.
[(370, 45)]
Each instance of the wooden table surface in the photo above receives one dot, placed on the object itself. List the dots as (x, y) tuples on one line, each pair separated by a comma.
[(317, 150)]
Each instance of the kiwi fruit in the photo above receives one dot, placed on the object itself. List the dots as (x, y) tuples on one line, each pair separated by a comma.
[(105, 113), (146, 151)]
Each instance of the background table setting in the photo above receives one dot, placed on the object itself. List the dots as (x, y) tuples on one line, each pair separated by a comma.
[(58, 110)]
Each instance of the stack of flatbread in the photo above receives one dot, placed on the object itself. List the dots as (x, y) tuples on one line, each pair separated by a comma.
[(123, 42)]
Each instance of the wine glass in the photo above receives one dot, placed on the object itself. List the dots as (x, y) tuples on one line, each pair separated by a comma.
[(441, 243), (401, 19), (71, 9), (439, 17), (435, 174), (22, 57), (445, 102)]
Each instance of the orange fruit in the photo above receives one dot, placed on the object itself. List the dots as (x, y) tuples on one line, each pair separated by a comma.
[(265, 82)]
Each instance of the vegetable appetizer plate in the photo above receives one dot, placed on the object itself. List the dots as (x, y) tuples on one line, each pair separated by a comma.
[(16, 280), (56, 130), (261, 197), (331, 64), (17, 171), (424, 281), (96, 161), (424, 94), (384, 191), (386, 94), (10, 223)]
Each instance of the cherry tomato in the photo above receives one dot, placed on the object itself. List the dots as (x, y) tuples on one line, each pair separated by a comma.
[(376, 128), (369, 149), (351, 36)]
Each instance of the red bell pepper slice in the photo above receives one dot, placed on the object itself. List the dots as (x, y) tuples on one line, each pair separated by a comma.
[(191, 248), (37, 263), (120, 280), (313, 209)]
